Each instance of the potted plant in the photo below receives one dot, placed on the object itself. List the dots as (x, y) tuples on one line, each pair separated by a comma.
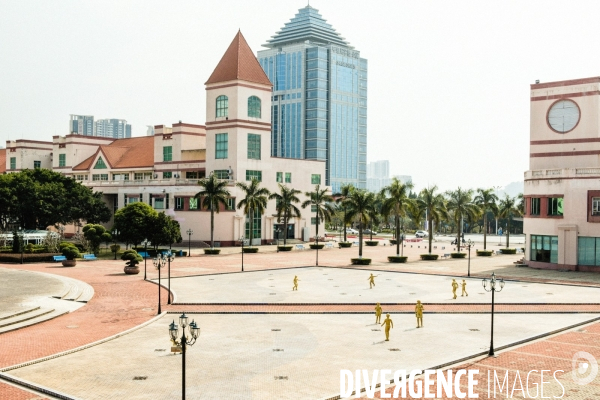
[(71, 253), (360, 261), (212, 251), (345, 244), (458, 255), (284, 248), (315, 246), (484, 253), (133, 259), (371, 242), (397, 259), (429, 257)]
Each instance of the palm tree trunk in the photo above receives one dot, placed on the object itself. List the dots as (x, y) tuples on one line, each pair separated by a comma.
[(285, 227), (397, 235), (212, 227), (345, 224), (250, 217), (430, 226), (371, 230), (485, 230), (360, 236), (508, 232), (459, 228)]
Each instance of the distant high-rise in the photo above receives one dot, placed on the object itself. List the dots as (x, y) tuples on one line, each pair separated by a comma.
[(114, 128), (319, 102), (81, 125), (378, 175)]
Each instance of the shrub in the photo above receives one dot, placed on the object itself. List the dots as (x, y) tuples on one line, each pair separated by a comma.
[(115, 248), (212, 251), (458, 255), (71, 252), (316, 246), (429, 257), (484, 253), (397, 259), (250, 250), (393, 241), (29, 248), (360, 261), (284, 248), (508, 251), (345, 244), (16, 258), (371, 242), (132, 257)]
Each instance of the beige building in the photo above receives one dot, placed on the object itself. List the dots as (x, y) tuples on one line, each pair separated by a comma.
[(163, 170), (562, 186)]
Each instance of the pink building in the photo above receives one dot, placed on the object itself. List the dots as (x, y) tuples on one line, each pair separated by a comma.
[(562, 186)]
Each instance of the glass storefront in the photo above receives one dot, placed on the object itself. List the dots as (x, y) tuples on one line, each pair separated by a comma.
[(588, 252), (544, 248)]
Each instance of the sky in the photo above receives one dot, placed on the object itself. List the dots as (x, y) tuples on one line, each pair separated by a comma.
[(448, 81)]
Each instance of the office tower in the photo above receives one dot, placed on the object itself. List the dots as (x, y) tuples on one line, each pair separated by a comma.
[(319, 102), (81, 125), (113, 128)]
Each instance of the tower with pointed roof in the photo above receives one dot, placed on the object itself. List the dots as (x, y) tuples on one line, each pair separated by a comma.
[(319, 102)]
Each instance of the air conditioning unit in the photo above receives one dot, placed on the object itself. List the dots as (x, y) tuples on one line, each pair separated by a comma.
[(176, 176), (155, 176)]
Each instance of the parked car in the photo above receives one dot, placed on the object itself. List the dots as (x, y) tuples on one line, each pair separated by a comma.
[(368, 232), (421, 234), (352, 231)]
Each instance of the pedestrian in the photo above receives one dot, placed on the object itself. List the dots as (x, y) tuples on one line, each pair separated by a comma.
[(464, 289), (454, 287), (378, 313), (388, 325), (419, 314)]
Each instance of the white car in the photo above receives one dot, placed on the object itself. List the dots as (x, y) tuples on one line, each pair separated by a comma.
[(421, 234), (352, 231)]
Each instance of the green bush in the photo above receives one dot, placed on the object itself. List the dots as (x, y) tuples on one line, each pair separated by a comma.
[(250, 250), (115, 248), (393, 241), (485, 253), (29, 248), (360, 261), (16, 258), (397, 259), (458, 255), (429, 257), (315, 246), (132, 257), (212, 251), (71, 252), (508, 251), (371, 242), (345, 244), (285, 248)]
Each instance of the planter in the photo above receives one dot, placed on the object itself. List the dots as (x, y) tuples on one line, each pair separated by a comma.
[(397, 259), (212, 251), (360, 261), (458, 255), (69, 263), (429, 257), (508, 251), (131, 270), (371, 242), (284, 248), (250, 250), (484, 253), (393, 241), (345, 244), (315, 246)]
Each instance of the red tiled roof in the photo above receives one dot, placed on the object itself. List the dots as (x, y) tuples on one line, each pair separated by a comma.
[(124, 153), (2, 161), (239, 62)]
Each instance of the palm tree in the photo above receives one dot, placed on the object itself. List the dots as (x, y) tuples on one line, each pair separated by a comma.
[(254, 202), (213, 193), (416, 212), (359, 206), (459, 201), (486, 200), (396, 204), (322, 204), (285, 206), (435, 207), (508, 207), (341, 198)]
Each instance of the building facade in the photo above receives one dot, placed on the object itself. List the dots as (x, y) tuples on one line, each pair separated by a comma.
[(319, 99), (81, 125), (114, 128), (562, 185)]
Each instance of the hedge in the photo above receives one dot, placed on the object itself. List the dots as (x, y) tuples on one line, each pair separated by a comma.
[(16, 257), (361, 261), (429, 257), (458, 255), (250, 250), (345, 244), (397, 259), (485, 253), (371, 242), (212, 251), (284, 248), (508, 251), (316, 246)]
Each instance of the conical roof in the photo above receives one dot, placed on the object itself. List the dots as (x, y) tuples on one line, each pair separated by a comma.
[(239, 62), (308, 24)]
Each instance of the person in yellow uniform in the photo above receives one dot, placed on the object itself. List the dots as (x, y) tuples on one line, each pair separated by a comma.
[(388, 325), (377, 314), (454, 287), (371, 280), (295, 282), (464, 289), (419, 314)]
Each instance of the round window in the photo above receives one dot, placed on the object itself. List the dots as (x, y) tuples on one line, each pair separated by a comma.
[(563, 116)]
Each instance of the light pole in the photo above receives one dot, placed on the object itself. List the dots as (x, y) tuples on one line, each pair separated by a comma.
[(468, 245), (242, 240), (170, 258), (115, 233), (145, 243), (194, 332), (159, 262), (492, 288), (190, 232)]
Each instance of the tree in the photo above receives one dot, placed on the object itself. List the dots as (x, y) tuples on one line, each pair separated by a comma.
[(459, 201), (486, 200), (416, 212), (396, 204), (508, 208), (134, 222), (95, 235), (321, 202), (255, 201), (359, 206), (435, 208), (165, 230), (213, 194), (285, 207), (341, 198)]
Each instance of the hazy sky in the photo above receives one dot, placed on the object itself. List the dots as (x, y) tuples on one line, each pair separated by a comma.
[(448, 90)]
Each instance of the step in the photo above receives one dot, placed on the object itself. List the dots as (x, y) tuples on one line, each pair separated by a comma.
[(86, 294), (25, 317), (14, 314), (75, 292), (25, 323)]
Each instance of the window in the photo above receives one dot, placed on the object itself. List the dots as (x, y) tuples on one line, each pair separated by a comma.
[(313, 221), (588, 251), (62, 160), (159, 203), (253, 175), (544, 248), (555, 206), (535, 206), (313, 208), (253, 146), (288, 177), (179, 203), (595, 205), (132, 199), (168, 153), (222, 106), (256, 226), (100, 177), (81, 177), (221, 145), (13, 163), (167, 175), (279, 177), (100, 164), (253, 107), (315, 179), (231, 203), (37, 164), (120, 177), (193, 203), (191, 175), (221, 173)]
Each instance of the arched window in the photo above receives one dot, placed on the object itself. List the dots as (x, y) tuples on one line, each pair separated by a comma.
[(222, 106), (253, 107)]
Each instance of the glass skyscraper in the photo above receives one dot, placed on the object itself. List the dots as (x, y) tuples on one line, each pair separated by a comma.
[(319, 102)]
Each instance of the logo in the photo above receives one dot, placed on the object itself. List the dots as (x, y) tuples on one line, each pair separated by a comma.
[(585, 368)]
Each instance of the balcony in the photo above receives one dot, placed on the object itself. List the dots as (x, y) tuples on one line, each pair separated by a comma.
[(562, 173)]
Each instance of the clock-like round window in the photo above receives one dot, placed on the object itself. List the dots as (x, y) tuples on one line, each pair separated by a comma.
[(563, 116)]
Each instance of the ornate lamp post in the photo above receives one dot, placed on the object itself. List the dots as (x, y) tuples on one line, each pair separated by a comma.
[(159, 262), (170, 257), (468, 245), (493, 284), (115, 233), (184, 341), (190, 233), (242, 240), (145, 243)]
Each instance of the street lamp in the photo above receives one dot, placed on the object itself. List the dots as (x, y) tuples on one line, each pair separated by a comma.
[(145, 243), (194, 332), (190, 232), (468, 245), (159, 262), (277, 231), (115, 233), (242, 240), (492, 288), (21, 241)]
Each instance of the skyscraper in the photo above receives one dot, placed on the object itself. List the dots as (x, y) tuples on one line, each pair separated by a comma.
[(113, 128), (319, 102), (81, 125)]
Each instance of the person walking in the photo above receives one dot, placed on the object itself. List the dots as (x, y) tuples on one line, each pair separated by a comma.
[(419, 313), (388, 325)]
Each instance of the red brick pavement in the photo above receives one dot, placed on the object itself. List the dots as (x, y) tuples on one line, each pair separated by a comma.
[(9, 392)]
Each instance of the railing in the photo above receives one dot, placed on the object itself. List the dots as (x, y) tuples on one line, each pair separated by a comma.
[(554, 172), (587, 171), (145, 182)]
